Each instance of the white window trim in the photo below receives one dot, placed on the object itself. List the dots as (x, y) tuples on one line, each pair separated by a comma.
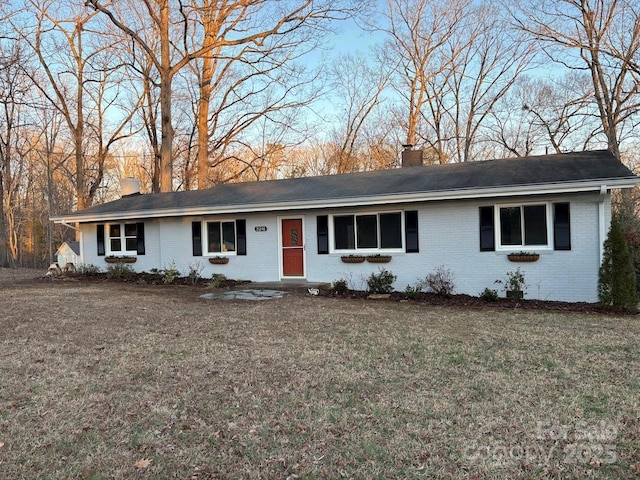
[(517, 248), (205, 238), (123, 240), (365, 251)]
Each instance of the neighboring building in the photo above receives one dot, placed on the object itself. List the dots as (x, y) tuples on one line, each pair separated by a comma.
[(467, 217), (68, 253)]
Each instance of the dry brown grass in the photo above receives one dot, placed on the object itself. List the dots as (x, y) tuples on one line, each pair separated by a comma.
[(95, 377)]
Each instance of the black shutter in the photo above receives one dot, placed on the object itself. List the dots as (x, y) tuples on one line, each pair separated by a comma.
[(411, 231), (322, 228), (140, 238), (196, 238), (100, 237), (487, 235), (241, 235), (561, 227)]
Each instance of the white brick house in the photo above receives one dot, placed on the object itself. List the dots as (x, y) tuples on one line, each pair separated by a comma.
[(468, 217)]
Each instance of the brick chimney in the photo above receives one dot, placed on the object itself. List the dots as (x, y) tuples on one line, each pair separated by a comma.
[(129, 186), (411, 157)]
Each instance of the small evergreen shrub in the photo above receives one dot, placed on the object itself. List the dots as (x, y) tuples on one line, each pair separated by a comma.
[(340, 286), (489, 295), (381, 282), (120, 271), (170, 274), (441, 281), (617, 278), (411, 292)]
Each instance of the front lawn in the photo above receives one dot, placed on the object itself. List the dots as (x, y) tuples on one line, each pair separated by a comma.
[(129, 381)]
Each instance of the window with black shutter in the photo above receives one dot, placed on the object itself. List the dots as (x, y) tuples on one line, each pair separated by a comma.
[(411, 231), (196, 238), (322, 229), (561, 226), (241, 232), (140, 238), (487, 236), (100, 237)]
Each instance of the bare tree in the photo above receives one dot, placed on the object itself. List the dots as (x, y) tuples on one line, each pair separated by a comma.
[(601, 37), (14, 87), (358, 88), (230, 24), (419, 31), (488, 60)]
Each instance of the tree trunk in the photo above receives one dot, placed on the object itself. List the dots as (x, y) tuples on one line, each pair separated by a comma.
[(166, 75)]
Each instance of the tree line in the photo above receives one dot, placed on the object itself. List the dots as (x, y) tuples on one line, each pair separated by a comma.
[(186, 94)]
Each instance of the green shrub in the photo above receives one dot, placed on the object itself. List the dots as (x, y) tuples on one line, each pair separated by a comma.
[(381, 282), (515, 282), (169, 275), (617, 278), (340, 287), (489, 295), (120, 271), (411, 292)]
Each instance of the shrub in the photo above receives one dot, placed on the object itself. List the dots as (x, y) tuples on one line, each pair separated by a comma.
[(340, 287), (169, 275), (381, 282), (411, 292), (194, 273), (120, 271), (489, 295), (441, 281), (216, 280), (88, 270), (630, 223), (515, 282), (617, 279)]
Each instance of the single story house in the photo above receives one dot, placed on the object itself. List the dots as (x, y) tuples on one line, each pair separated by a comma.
[(468, 217)]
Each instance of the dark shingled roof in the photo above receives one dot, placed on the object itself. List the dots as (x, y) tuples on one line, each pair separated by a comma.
[(491, 174)]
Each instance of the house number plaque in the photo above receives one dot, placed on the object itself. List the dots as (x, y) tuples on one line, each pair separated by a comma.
[(261, 228)]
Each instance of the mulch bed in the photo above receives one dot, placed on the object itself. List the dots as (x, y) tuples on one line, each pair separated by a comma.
[(468, 301), (456, 301)]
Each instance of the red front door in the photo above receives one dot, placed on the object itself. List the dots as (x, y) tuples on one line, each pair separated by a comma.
[(292, 248)]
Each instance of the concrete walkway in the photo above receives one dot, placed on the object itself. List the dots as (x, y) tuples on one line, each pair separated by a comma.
[(258, 291)]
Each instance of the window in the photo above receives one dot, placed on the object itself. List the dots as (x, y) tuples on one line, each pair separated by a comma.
[(221, 237), (520, 226), (123, 238), (368, 231), (523, 225)]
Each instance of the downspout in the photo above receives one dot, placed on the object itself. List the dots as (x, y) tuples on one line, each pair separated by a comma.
[(601, 221)]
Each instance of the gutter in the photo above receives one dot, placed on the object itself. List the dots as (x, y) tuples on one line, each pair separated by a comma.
[(389, 199)]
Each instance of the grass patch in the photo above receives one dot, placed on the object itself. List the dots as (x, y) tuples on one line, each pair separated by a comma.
[(96, 378)]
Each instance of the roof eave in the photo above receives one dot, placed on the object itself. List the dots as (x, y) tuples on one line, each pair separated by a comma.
[(457, 194)]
